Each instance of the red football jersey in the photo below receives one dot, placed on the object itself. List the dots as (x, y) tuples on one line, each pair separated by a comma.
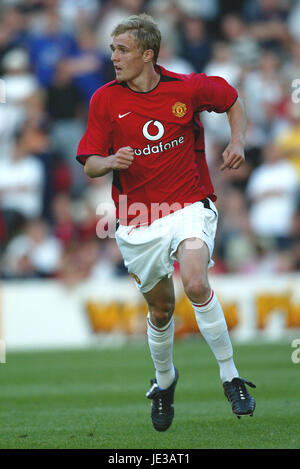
[(164, 129)]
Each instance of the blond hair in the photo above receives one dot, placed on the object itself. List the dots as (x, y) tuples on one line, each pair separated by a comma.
[(144, 30)]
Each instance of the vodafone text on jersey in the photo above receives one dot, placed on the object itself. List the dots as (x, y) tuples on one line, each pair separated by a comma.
[(160, 147)]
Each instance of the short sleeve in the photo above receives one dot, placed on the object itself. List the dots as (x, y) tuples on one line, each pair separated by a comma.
[(97, 137), (210, 93)]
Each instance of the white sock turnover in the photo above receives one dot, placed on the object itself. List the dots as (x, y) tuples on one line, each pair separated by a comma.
[(211, 322), (160, 340)]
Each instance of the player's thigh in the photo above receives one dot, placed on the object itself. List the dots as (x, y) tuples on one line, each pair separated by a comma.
[(161, 301), (193, 257)]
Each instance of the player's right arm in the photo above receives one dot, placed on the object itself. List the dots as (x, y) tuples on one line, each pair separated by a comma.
[(95, 146), (97, 166)]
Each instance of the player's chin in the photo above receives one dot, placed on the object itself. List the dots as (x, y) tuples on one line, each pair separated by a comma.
[(120, 75)]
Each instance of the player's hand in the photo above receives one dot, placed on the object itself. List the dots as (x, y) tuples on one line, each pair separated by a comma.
[(233, 156), (123, 158)]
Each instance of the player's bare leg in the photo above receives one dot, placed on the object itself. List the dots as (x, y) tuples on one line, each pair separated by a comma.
[(161, 302), (193, 257), (160, 330)]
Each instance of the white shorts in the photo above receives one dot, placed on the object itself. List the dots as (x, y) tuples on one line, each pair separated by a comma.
[(149, 251)]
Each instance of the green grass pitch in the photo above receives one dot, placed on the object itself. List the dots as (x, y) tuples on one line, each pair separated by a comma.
[(96, 399)]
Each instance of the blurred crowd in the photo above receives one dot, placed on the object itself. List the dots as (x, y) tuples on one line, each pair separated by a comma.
[(55, 53)]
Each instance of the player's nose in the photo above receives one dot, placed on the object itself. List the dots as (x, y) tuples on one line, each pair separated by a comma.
[(114, 56)]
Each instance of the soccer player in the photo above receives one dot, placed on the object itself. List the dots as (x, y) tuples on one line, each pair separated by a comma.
[(145, 128)]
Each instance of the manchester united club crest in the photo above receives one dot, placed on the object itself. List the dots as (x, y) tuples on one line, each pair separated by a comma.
[(179, 109), (136, 278)]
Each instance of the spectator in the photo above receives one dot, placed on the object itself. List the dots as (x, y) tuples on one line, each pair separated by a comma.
[(272, 190), (22, 88), (268, 23), (234, 240), (236, 33), (167, 15), (79, 261), (169, 60), (266, 259), (222, 64), (269, 10), (22, 181), (196, 46), (48, 46), (98, 191), (14, 21), (74, 13), (263, 92), (111, 265), (23, 96), (88, 65), (115, 12), (64, 227), (87, 222), (6, 42), (63, 100), (32, 254), (64, 105)]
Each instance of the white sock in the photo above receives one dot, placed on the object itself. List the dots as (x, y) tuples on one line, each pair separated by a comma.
[(160, 340), (211, 322), (228, 370)]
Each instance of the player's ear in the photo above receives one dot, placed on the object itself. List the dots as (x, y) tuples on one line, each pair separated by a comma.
[(148, 55)]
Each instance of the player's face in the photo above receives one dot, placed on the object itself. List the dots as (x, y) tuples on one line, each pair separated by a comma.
[(126, 57)]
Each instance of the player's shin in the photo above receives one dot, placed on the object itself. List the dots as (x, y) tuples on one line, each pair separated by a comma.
[(160, 340), (211, 322)]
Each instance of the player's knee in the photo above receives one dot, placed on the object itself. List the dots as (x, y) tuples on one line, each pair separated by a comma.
[(161, 313), (197, 288)]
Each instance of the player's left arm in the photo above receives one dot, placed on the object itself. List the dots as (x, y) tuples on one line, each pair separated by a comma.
[(234, 154)]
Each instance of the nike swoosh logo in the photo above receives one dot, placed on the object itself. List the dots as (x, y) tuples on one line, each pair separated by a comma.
[(123, 115)]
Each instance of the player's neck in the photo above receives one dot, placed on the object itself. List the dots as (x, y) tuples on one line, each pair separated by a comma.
[(145, 82)]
